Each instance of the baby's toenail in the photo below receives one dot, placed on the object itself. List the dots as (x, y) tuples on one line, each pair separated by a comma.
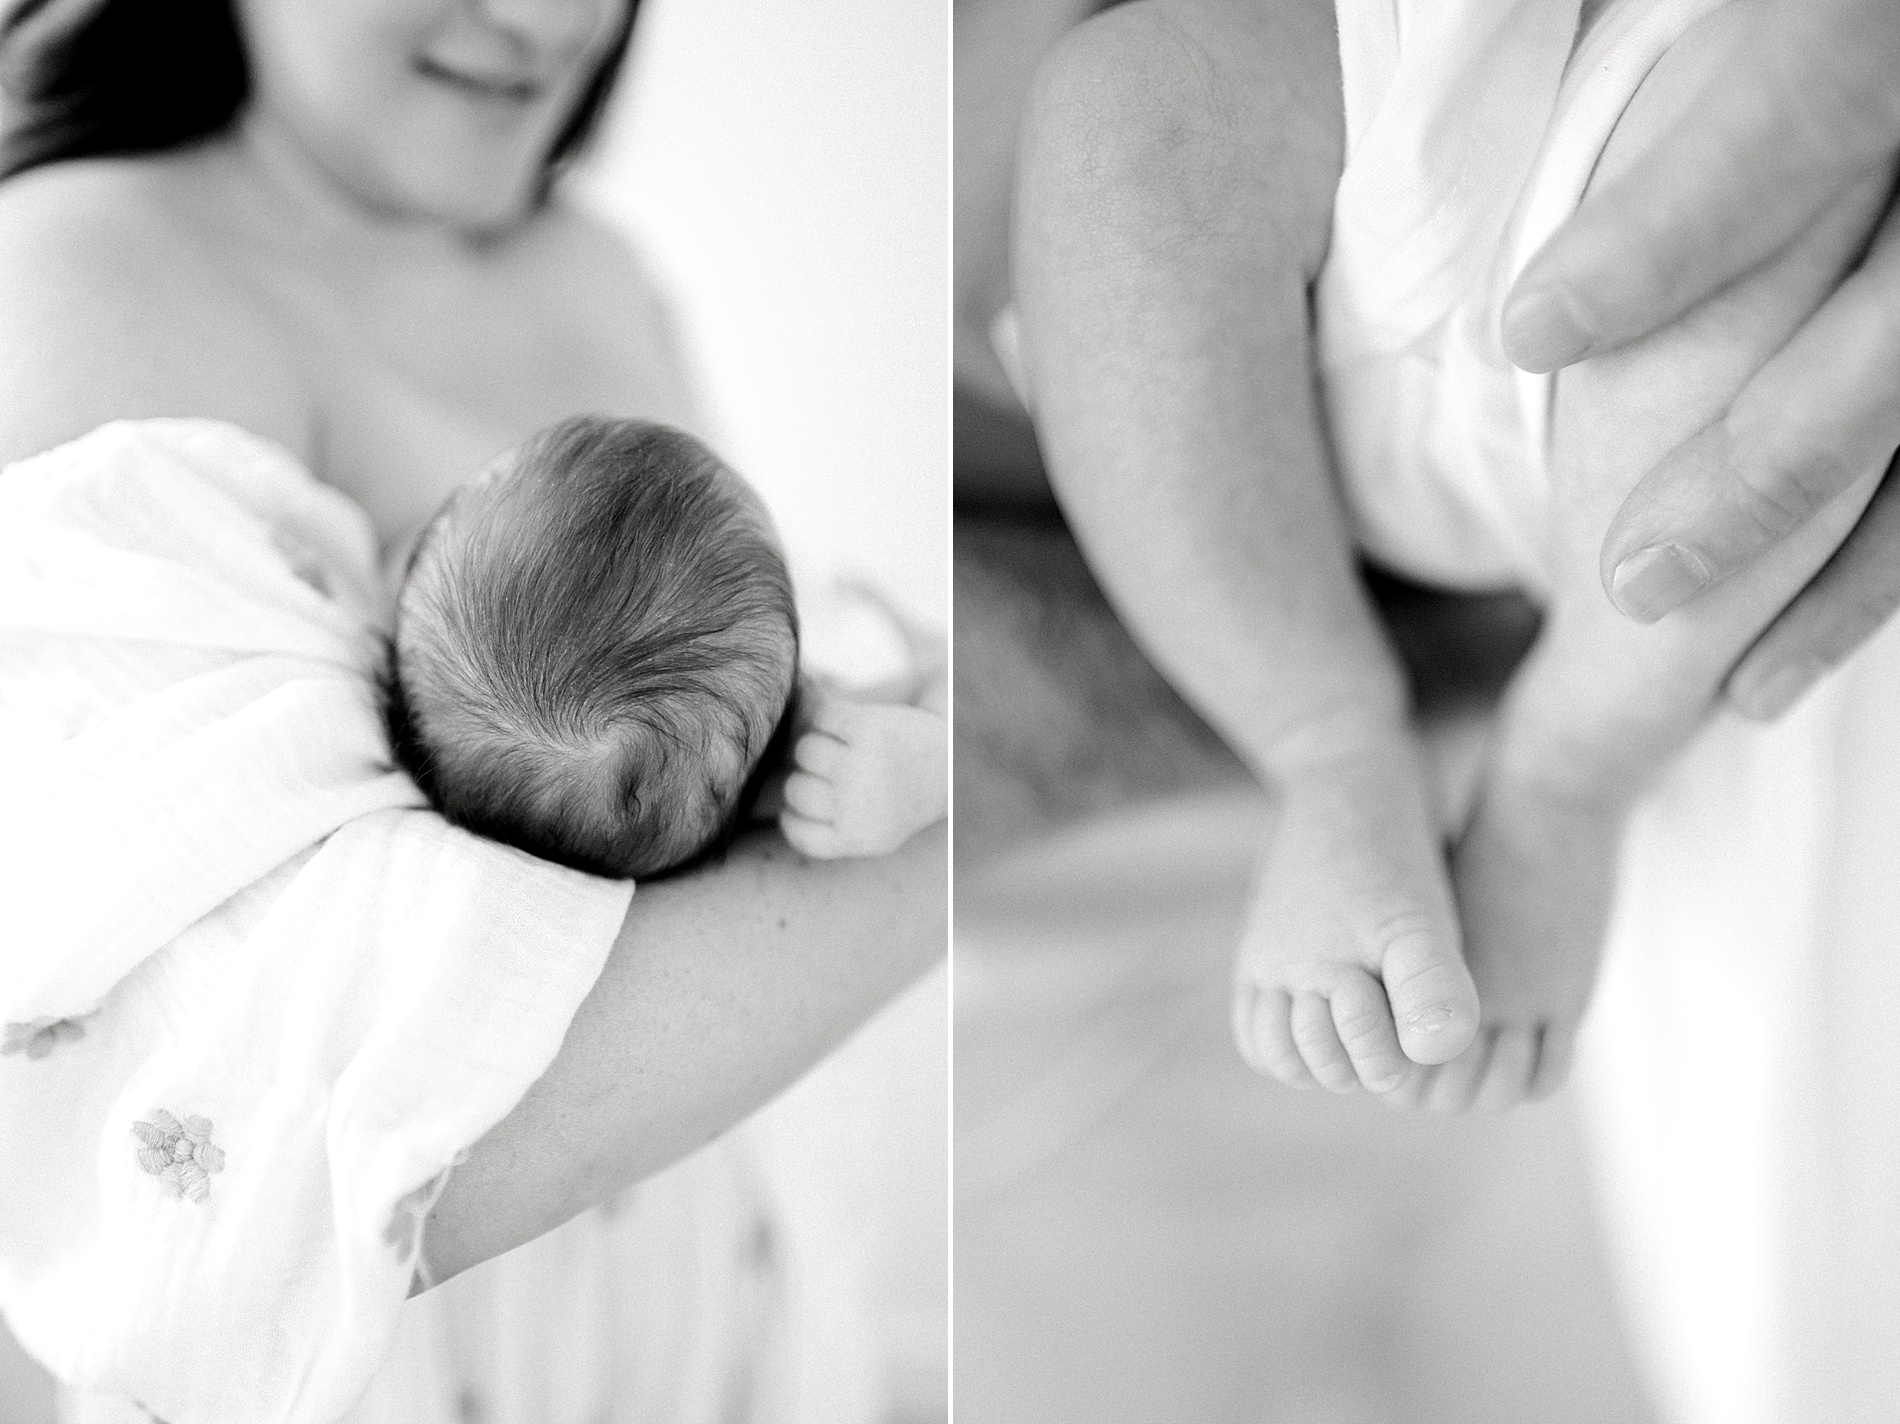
[(1431, 1020)]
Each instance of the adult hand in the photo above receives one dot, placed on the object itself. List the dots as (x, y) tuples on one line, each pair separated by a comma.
[(1806, 113)]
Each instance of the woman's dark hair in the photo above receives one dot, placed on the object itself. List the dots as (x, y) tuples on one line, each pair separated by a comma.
[(90, 78)]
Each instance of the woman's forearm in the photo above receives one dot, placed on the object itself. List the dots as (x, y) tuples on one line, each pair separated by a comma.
[(723, 988)]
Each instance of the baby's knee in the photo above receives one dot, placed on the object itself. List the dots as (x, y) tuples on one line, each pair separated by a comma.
[(1152, 112), (1122, 101)]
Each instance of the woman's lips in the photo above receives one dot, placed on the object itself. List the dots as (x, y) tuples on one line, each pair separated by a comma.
[(510, 88)]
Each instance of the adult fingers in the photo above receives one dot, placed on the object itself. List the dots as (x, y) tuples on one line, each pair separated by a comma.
[(1855, 593), (1805, 105), (1823, 412)]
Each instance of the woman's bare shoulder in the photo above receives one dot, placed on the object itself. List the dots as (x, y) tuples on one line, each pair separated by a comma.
[(114, 305), (595, 258), (612, 304)]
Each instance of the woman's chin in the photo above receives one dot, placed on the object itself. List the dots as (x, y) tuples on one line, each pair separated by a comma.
[(476, 209)]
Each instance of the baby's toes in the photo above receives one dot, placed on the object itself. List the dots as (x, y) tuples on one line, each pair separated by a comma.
[(1363, 1021), (1263, 1031), (1319, 1044), (1507, 1082), (813, 797), (1455, 1085), (1434, 1003), (1556, 1049), (1412, 1090)]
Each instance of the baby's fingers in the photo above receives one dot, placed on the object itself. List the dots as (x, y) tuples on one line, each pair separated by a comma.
[(819, 753), (810, 796), (817, 839)]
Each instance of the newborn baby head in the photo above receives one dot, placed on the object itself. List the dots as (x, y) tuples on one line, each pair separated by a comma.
[(595, 644)]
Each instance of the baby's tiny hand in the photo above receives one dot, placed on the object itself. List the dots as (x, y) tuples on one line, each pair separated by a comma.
[(867, 777)]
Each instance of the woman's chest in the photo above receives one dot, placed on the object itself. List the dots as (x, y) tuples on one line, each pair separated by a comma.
[(414, 391)]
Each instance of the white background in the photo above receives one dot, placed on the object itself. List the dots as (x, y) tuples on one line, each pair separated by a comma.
[(784, 165)]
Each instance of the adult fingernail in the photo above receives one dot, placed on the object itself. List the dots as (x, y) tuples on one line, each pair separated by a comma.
[(1766, 698), (1657, 580), (1543, 332)]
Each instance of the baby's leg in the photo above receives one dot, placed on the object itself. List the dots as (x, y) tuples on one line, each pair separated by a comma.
[(1603, 703), (1179, 160)]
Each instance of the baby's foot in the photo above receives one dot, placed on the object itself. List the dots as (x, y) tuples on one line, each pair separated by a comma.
[(1534, 874), (867, 777), (1349, 973)]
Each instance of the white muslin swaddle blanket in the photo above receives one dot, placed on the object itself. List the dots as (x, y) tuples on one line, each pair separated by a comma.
[(1472, 129), (1737, 1077), (257, 997)]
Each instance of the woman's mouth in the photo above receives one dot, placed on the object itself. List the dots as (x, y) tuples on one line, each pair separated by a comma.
[(506, 88)]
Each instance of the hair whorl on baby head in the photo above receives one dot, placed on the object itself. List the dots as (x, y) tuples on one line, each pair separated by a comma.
[(595, 648)]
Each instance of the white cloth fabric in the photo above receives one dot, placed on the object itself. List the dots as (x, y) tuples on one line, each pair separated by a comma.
[(259, 998), (1738, 1069), (1467, 145)]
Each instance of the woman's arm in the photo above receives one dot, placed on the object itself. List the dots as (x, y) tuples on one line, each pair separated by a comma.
[(723, 988), (110, 309)]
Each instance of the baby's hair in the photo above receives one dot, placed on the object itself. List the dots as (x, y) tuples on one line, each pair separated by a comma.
[(595, 650)]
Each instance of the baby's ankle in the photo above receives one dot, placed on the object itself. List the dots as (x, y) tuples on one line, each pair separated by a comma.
[(1555, 748), (1324, 750)]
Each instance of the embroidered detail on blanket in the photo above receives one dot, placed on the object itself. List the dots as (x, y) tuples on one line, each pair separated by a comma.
[(38, 1037), (180, 1154)]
